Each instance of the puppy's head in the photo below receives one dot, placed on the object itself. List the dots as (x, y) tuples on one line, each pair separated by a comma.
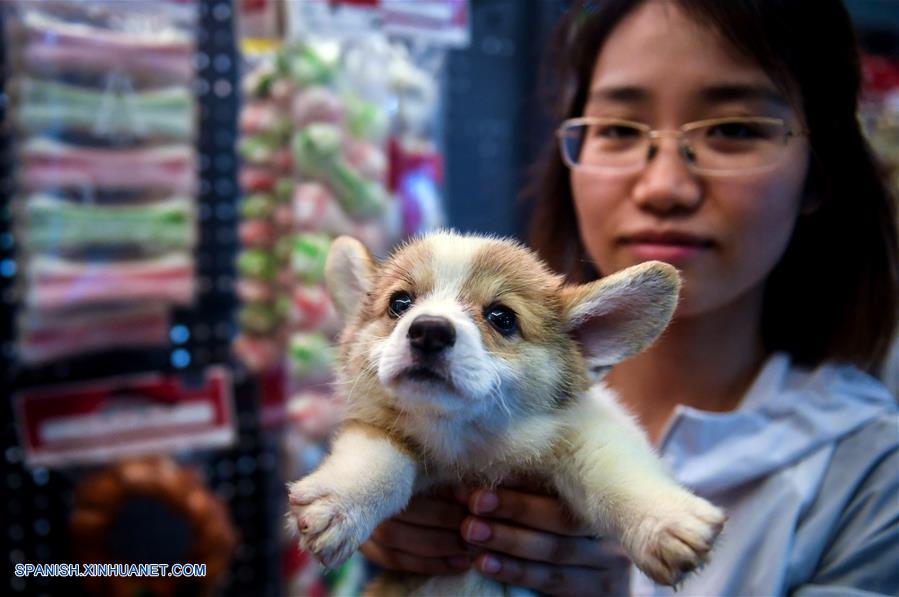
[(469, 326)]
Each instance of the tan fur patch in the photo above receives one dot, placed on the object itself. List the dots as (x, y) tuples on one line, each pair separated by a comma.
[(409, 270), (510, 274)]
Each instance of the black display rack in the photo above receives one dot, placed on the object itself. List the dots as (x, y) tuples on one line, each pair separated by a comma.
[(38, 501), (494, 120)]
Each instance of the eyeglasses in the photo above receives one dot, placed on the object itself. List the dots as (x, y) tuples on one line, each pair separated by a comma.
[(717, 146)]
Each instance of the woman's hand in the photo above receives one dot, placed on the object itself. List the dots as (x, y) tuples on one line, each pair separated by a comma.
[(527, 538), (519, 536), (424, 538)]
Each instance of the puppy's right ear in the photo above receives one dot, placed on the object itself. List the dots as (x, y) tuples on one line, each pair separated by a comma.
[(621, 314), (348, 273)]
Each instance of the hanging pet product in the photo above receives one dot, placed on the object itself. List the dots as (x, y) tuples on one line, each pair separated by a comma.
[(177, 518)]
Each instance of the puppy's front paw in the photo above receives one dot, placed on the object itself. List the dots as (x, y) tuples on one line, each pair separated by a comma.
[(675, 536), (330, 525)]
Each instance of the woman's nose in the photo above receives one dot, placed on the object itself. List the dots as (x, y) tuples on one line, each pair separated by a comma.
[(667, 184)]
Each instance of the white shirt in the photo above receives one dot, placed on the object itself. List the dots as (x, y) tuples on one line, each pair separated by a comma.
[(807, 468)]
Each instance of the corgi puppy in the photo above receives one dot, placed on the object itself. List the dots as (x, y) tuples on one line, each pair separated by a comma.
[(465, 359)]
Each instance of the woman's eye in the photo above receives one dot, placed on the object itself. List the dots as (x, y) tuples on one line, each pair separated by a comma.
[(735, 130), (399, 303), (617, 131), (502, 319)]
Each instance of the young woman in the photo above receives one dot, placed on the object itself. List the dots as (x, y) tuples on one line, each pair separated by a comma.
[(720, 137)]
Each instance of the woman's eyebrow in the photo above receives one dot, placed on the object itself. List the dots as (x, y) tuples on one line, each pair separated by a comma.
[(623, 93), (713, 94), (717, 94)]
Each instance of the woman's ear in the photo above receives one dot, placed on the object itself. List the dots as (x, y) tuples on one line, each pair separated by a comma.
[(348, 274), (620, 315)]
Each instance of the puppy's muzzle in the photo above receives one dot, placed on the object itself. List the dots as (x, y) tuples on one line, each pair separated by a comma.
[(430, 335)]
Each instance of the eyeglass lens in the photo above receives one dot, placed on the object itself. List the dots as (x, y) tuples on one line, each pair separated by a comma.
[(724, 146)]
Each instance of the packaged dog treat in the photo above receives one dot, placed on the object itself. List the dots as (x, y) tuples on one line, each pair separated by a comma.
[(104, 116), (313, 166), (328, 101)]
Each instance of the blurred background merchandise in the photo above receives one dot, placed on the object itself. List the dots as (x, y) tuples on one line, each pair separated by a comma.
[(174, 173)]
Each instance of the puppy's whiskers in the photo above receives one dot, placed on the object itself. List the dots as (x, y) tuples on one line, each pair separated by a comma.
[(496, 392), (366, 343), (367, 370)]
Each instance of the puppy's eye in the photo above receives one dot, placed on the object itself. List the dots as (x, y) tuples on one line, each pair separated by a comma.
[(399, 303), (502, 318)]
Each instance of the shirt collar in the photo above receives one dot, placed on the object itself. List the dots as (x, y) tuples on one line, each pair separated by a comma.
[(786, 414)]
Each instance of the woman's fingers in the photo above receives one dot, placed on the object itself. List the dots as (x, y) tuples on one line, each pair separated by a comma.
[(543, 512), (433, 511), (424, 538), (528, 484), (540, 546), (427, 542), (392, 559), (529, 539), (553, 580)]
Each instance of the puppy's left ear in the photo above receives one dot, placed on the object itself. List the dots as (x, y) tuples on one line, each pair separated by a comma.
[(619, 315), (348, 274)]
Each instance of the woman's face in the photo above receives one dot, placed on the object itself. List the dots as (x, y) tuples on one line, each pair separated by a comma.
[(724, 233)]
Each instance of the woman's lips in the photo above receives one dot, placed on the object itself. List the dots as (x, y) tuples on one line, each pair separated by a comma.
[(670, 248)]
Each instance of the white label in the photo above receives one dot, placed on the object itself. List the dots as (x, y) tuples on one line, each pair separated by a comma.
[(142, 418)]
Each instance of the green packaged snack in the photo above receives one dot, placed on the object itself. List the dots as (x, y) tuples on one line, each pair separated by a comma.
[(259, 318), (54, 224), (159, 113), (304, 66), (283, 248), (259, 84), (257, 206), (317, 153), (365, 120), (258, 149), (257, 264), (311, 355), (284, 187), (310, 251)]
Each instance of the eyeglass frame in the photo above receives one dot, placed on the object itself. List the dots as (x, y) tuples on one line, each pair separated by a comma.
[(679, 134)]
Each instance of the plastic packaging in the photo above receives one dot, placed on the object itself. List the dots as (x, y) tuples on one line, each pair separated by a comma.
[(356, 115), (105, 219)]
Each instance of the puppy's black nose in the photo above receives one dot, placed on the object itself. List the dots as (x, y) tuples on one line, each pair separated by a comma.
[(430, 334)]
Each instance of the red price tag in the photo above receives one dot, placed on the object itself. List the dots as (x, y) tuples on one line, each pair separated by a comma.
[(104, 420)]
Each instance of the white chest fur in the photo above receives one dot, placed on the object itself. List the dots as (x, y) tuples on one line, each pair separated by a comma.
[(484, 448)]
